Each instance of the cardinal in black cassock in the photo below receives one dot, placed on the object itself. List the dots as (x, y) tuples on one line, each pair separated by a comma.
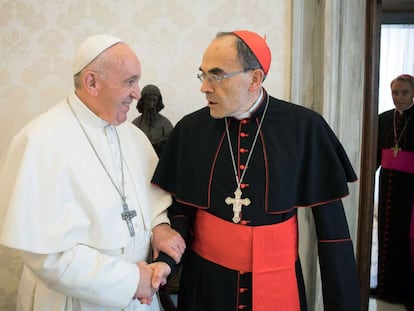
[(238, 177)]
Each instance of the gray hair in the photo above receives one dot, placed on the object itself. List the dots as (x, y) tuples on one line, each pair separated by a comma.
[(246, 56)]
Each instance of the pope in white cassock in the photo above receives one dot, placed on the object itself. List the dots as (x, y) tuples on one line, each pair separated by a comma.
[(76, 197)]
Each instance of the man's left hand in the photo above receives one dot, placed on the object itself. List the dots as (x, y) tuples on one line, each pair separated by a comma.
[(167, 240)]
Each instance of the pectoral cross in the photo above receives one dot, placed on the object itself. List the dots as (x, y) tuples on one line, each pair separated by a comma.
[(127, 215), (238, 203), (396, 149)]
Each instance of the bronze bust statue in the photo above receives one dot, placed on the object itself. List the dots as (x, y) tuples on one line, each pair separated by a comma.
[(151, 122)]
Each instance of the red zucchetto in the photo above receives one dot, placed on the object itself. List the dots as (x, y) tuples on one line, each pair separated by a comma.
[(258, 46)]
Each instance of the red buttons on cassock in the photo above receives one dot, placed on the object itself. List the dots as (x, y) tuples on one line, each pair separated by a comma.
[(242, 134), (241, 307), (242, 167), (242, 186), (242, 150)]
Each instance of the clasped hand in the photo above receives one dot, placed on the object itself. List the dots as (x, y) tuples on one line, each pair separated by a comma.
[(152, 276)]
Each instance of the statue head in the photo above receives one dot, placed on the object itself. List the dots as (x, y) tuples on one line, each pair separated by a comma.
[(150, 99)]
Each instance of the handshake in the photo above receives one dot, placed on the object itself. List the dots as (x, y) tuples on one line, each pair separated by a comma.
[(155, 274), (152, 276)]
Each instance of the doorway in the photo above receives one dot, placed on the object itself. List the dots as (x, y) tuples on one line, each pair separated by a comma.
[(396, 57), (378, 13)]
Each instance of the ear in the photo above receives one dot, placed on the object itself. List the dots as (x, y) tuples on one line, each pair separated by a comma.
[(256, 79), (90, 82)]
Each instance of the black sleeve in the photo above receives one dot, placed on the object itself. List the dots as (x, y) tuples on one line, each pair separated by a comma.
[(339, 275), (181, 218)]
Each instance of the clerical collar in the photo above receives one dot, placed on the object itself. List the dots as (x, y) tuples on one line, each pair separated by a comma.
[(85, 114), (248, 113)]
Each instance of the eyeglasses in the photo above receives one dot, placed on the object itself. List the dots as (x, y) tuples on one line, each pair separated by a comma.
[(212, 78)]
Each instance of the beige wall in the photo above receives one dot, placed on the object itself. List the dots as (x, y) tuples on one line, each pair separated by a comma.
[(323, 38), (39, 37), (38, 40)]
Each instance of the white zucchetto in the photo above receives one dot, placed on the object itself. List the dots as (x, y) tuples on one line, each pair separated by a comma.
[(90, 49)]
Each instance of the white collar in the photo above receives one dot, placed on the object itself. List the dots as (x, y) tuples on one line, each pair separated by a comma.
[(248, 113)]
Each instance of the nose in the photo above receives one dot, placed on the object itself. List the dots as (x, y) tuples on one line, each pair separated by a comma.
[(206, 87), (136, 92)]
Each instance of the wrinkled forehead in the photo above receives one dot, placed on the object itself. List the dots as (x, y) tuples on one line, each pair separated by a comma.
[(221, 54)]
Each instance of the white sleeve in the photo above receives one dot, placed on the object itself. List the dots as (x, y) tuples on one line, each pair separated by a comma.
[(84, 273)]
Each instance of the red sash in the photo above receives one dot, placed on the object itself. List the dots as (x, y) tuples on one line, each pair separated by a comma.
[(269, 252)]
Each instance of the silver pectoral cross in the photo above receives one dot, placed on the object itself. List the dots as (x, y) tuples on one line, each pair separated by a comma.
[(237, 202), (127, 215), (396, 149)]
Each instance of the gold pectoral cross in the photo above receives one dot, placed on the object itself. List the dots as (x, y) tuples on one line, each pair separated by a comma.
[(237, 202), (396, 149)]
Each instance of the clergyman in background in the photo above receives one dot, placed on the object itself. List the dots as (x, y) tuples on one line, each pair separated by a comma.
[(395, 282)]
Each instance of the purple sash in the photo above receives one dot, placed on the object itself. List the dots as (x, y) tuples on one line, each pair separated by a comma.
[(404, 161)]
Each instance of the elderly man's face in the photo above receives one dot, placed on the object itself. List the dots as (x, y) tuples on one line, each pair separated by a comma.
[(228, 97), (117, 84), (402, 94)]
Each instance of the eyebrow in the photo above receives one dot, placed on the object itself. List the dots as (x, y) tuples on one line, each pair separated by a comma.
[(215, 70), (135, 77)]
